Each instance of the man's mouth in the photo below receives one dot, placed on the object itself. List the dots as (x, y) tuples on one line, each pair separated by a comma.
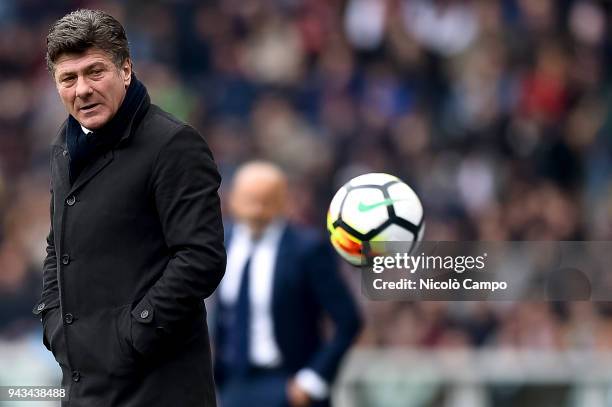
[(88, 107)]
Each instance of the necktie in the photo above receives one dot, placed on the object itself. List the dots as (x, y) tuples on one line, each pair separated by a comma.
[(242, 322)]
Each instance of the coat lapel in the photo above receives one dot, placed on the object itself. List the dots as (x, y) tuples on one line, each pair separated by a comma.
[(62, 159), (60, 164), (60, 171), (282, 267), (91, 170)]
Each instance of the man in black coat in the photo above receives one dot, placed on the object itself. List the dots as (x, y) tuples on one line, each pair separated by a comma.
[(136, 240)]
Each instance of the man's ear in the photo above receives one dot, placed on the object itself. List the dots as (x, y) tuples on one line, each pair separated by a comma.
[(126, 72)]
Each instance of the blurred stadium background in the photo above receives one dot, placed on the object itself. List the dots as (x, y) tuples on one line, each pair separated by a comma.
[(496, 111)]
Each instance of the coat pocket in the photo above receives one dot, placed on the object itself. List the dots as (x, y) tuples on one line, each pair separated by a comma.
[(98, 341), (50, 327), (151, 339), (43, 309), (123, 333), (53, 334)]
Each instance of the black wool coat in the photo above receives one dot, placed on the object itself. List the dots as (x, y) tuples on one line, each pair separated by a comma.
[(136, 244)]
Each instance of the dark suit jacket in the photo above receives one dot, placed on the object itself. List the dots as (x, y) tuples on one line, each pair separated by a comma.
[(136, 243), (307, 286)]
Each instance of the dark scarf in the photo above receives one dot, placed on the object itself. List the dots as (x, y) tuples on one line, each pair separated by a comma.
[(84, 149)]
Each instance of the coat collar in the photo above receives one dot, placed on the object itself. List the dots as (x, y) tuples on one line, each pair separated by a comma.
[(60, 139), (61, 157)]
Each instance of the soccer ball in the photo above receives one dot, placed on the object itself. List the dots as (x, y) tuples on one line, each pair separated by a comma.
[(373, 207)]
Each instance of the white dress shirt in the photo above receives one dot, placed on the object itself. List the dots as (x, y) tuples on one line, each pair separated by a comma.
[(263, 348)]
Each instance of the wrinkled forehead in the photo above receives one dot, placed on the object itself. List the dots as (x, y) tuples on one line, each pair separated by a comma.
[(72, 62)]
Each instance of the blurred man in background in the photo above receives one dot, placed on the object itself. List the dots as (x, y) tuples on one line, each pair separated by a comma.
[(136, 239), (280, 282)]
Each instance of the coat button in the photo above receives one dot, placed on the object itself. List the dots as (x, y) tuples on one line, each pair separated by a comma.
[(65, 259), (144, 314), (68, 318), (76, 376), (41, 306), (65, 153), (71, 200)]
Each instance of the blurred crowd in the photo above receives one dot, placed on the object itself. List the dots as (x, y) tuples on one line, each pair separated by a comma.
[(497, 112)]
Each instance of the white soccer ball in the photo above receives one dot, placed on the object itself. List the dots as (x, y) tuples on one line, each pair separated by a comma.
[(374, 207)]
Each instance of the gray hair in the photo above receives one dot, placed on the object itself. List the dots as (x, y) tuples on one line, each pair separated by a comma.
[(80, 30)]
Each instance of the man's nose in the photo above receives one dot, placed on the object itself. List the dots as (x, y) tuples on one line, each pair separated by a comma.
[(83, 89)]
